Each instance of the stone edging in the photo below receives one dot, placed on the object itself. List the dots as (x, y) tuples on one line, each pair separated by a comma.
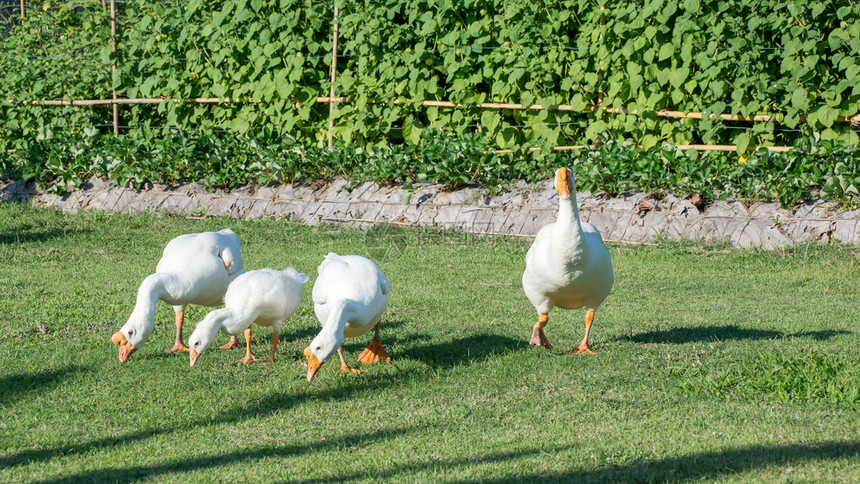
[(521, 211)]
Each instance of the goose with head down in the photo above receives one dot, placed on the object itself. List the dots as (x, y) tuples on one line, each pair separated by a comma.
[(194, 269), (350, 295), (264, 297), (567, 266)]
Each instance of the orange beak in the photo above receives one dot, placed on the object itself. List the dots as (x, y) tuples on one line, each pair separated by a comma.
[(314, 363), (563, 183), (193, 355), (125, 348)]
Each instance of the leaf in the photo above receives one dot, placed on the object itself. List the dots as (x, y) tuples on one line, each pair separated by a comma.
[(666, 51), (411, 132), (649, 141), (45, 133), (505, 138), (577, 102), (799, 98), (105, 55), (677, 77), (826, 115), (742, 142), (490, 119), (595, 129), (818, 8)]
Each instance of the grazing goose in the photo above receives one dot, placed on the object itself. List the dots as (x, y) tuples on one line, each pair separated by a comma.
[(568, 265), (350, 295), (265, 297), (194, 269)]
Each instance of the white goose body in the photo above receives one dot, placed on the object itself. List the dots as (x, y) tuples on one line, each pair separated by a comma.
[(265, 297), (568, 265), (194, 269), (350, 295)]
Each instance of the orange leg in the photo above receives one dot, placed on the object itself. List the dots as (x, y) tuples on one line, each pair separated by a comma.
[(275, 339), (234, 343), (374, 351), (583, 347), (343, 365), (178, 345), (249, 357), (538, 336)]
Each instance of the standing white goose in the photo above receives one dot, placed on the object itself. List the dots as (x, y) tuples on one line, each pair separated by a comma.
[(568, 265), (194, 269), (350, 295), (265, 297)]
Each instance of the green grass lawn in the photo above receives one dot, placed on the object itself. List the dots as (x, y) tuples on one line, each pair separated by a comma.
[(711, 365)]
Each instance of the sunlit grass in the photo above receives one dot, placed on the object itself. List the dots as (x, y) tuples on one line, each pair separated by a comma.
[(466, 399)]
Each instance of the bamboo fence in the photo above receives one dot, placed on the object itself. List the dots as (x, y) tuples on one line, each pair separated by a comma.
[(115, 102)]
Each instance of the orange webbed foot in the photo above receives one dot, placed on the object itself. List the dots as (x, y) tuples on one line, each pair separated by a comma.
[(249, 358), (234, 343), (177, 347), (374, 353), (349, 369), (579, 350), (539, 338)]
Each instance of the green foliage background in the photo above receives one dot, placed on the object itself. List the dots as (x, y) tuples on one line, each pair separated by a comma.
[(798, 61)]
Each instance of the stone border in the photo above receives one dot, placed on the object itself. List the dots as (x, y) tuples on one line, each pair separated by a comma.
[(520, 211)]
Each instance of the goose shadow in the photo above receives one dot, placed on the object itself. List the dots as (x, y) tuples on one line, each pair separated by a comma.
[(471, 349), (307, 332), (15, 387), (722, 333), (21, 235)]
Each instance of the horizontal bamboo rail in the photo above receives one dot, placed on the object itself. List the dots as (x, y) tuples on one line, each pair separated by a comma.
[(680, 147), (665, 113), (107, 102)]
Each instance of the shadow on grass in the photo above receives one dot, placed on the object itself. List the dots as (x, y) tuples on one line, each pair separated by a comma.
[(437, 465), (691, 467), (262, 336), (443, 355), (269, 404), (722, 333), (707, 466), (468, 349), (16, 387), (22, 235), (136, 473)]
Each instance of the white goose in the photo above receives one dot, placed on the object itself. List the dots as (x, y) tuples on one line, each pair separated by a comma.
[(265, 297), (350, 295), (568, 265), (194, 269)]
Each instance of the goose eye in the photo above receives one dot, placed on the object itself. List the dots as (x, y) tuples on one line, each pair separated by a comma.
[(196, 344), (131, 332), (318, 348)]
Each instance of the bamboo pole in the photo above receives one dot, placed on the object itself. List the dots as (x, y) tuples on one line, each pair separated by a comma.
[(333, 78), (23, 15), (113, 67), (602, 22)]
